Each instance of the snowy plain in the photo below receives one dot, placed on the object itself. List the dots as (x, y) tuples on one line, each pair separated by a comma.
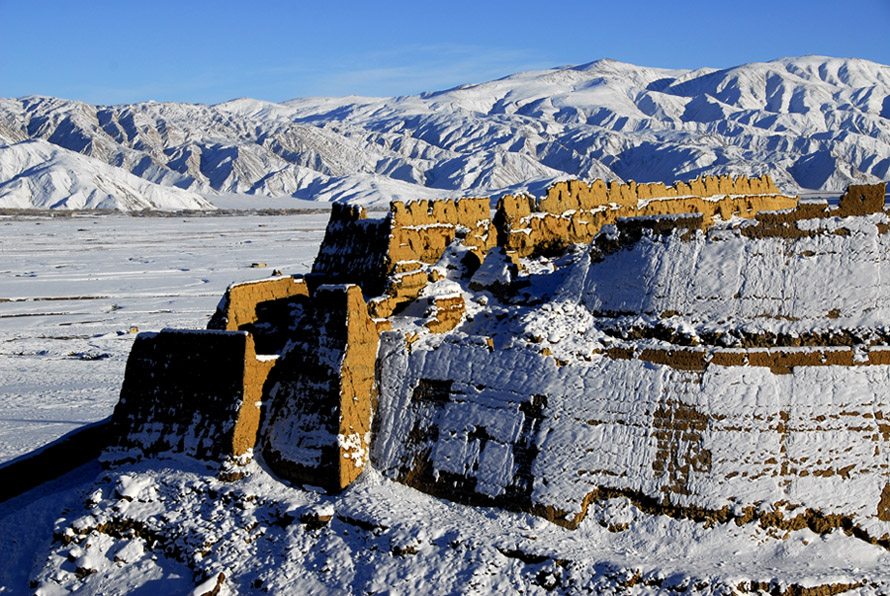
[(74, 289)]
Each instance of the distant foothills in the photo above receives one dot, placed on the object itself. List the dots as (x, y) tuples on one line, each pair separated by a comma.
[(813, 124)]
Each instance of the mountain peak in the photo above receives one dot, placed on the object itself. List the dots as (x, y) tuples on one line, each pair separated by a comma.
[(602, 119)]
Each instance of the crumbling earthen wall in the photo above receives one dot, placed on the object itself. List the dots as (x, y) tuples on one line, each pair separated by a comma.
[(200, 392), (502, 427), (575, 212), (191, 392), (355, 249), (577, 195), (512, 428), (264, 308), (242, 303), (386, 256), (780, 360), (705, 432), (421, 230), (862, 199), (322, 393)]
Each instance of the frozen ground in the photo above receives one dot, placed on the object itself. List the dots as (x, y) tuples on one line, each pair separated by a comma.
[(168, 526), (73, 290)]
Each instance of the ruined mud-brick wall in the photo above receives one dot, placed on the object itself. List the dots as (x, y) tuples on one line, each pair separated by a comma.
[(264, 308), (386, 257), (355, 249), (322, 393), (789, 272), (421, 230), (788, 436), (191, 392), (201, 392), (512, 428), (575, 211)]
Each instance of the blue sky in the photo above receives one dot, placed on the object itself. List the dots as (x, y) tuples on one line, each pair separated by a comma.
[(208, 52)]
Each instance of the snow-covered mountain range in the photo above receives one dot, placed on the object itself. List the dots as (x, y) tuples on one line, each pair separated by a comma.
[(812, 123)]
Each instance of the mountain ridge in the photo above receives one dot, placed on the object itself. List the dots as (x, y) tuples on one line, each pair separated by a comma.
[(812, 123)]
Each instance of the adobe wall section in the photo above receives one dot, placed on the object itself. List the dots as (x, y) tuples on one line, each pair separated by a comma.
[(862, 199), (780, 361), (190, 392), (386, 257), (242, 303), (421, 230), (512, 428), (445, 313), (264, 308), (355, 249), (577, 195), (574, 211), (323, 393)]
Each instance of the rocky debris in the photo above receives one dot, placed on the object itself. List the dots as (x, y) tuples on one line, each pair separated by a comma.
[(317, 516), (210, 587)]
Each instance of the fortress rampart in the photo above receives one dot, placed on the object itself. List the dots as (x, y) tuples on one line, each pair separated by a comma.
[(478, 410), (574, 211), (194, 392), (386, 256), (709, 441)]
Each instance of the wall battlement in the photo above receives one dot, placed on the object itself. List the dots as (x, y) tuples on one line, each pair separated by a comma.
[(573, 211)]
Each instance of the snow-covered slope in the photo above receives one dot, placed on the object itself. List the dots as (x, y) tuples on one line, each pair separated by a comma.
[(811, 123), (39, 175)]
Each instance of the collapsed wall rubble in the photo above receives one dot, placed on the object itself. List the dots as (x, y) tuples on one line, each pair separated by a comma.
[(675, 414)]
